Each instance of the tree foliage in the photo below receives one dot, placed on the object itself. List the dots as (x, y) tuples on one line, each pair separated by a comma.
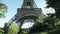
[(13, 28), (1, 31), (53, 3), (3, 9), (56, 5), (49, 23)]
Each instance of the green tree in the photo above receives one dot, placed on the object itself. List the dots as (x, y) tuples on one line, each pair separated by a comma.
[(48, 24), (56, 5), (53, 3), (39, 26), (3, 9), (1, 31), (14, 29)]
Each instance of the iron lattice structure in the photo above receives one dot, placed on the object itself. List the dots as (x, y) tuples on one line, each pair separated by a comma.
[(29, 11)]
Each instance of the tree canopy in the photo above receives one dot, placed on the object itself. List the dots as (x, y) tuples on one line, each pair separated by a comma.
[(3, 9), (14, 29)]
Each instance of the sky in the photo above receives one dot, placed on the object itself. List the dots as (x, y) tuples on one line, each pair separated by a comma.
[(14, 4)]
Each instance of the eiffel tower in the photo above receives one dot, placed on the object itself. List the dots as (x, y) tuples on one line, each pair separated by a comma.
[(28, 12)]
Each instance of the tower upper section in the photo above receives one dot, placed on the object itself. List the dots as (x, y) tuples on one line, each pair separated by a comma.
[(29, 4)]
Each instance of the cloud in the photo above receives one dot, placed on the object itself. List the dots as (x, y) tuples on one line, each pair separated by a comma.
[(48, 10)]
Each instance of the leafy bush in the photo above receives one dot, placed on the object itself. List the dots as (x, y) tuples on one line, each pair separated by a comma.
[(13, 28)]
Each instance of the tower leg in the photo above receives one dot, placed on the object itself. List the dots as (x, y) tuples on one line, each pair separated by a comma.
[(20, 27)]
